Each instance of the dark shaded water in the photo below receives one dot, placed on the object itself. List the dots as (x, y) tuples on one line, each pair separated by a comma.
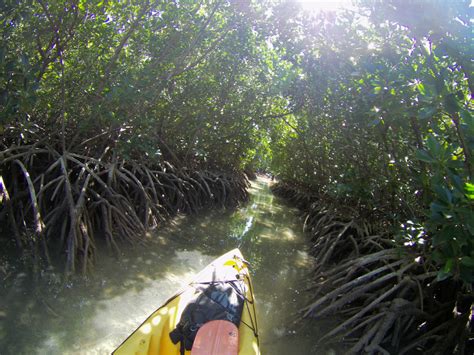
[(94, 315)]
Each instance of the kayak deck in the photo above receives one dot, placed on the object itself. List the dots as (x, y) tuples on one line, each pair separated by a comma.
[(152, 337)]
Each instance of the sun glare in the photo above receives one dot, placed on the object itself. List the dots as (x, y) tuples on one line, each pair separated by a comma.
[(324, 5)]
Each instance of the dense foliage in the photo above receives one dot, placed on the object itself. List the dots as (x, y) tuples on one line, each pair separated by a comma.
[(116, 114), (378, 153), (173, 79), (381, 117)]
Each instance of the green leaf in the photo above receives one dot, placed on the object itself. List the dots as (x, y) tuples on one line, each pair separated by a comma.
[(455, 164), (445, 235), (437, 211), (469, 188), (421, 89), (456, 181), (448, 266), (375, 122), (444, 194), (433, 146), (468, 217), (442, 275), (467, 119), (451, 104), (467, 261), (423, 155)]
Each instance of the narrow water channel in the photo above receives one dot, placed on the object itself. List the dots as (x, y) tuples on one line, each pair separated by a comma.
[(94, 315)]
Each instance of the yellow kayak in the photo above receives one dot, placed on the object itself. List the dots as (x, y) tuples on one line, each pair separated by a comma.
[(153, 335)]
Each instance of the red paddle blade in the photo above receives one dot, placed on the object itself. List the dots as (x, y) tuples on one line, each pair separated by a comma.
[(217, 337)]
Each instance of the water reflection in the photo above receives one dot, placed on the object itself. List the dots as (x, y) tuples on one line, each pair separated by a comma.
[(94, 315)]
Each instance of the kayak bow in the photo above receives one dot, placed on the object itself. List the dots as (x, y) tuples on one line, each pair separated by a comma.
[(152, 336)]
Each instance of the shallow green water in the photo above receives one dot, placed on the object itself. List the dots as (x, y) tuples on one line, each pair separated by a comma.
[(93, 316)]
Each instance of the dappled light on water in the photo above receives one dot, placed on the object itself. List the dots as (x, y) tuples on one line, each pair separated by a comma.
[(96, 314), (283, 235)]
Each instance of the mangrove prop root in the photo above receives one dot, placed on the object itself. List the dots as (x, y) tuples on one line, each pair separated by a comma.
[(52, 198), (390, 303)]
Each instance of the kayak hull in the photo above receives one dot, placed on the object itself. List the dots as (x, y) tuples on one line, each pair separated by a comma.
[(152, 336)]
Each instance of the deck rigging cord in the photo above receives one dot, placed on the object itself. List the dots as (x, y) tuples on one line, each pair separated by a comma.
[(238, 285)]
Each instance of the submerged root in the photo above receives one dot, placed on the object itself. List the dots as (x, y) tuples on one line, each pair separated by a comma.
[(388, 297)]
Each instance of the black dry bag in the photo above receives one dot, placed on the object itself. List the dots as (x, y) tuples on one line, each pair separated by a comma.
[(217, 301)]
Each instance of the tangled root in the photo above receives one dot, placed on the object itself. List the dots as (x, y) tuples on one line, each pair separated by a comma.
[(387, 293), (62, 200)]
